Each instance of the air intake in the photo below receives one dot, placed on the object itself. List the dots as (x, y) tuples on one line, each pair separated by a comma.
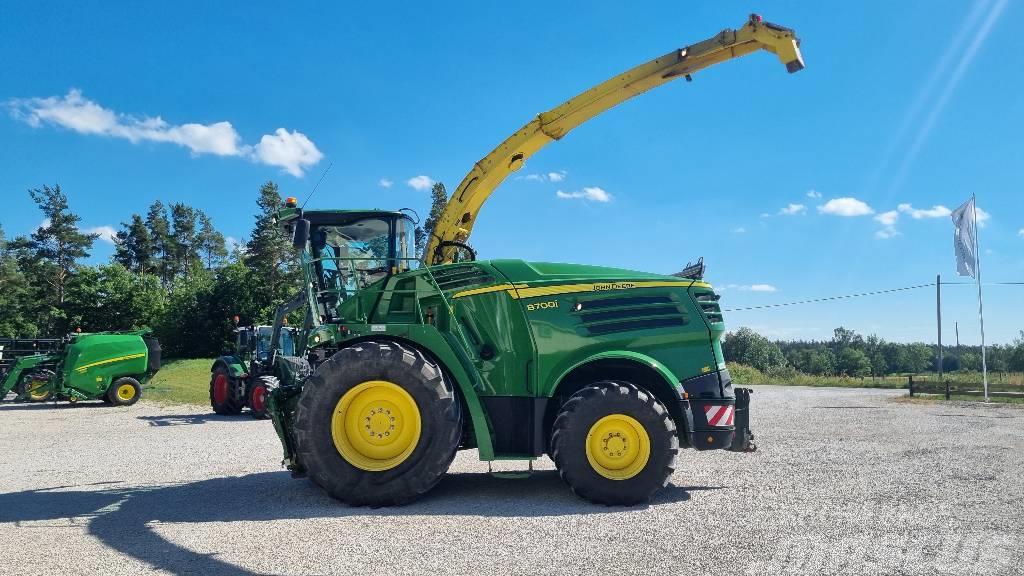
[(604, 316), (459, 277), (708, 302)]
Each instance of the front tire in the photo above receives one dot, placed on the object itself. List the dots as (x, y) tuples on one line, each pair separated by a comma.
[(378, 424), (36, 386), (614, 444), (258, 394)]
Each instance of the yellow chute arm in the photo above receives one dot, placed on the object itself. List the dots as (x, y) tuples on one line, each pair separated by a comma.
[(456, 222)]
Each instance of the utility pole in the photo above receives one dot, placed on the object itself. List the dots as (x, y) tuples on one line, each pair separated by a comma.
[(938, 317), (938, 322)]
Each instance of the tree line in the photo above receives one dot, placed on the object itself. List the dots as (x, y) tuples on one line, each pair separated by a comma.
[(851, 354), (171, 271)]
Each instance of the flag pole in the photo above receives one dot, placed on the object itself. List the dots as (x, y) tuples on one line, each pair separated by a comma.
[(981, 314)]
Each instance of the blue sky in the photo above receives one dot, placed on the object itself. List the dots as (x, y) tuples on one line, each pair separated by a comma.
[(790, 186)]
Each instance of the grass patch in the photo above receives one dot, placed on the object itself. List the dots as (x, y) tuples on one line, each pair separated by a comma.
[(998, 382), (744, 375), (181, 382), (937, 398)]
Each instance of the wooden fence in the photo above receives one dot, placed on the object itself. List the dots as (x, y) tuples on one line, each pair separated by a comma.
[(931, 384)]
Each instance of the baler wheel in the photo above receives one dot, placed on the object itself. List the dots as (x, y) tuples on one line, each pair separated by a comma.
[(614, 444), (377, 424), (124, 392), (258, 396), (223, 396)]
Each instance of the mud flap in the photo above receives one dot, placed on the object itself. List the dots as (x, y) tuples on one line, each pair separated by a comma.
[(744, 439)]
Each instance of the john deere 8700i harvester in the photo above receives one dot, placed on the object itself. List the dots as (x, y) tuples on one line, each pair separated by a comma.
[(111, 366), (608, 371)]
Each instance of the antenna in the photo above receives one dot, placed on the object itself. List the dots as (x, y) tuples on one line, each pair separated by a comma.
[(311, 192)]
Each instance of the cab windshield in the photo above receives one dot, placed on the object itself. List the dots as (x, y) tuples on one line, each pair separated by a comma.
[(349, 257)]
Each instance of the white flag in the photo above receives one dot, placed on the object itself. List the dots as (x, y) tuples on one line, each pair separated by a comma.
[(964, 239)]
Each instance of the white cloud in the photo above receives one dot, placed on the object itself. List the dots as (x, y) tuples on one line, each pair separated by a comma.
[(1020, 233), (937, 211), (793, 210), (748, 287), (420, 182), (845, 207), (983, 217), (742, 230), (234, 244), (106, 233), (765, 215), (549, 177), (593, 194), (813, 194), (888, 220), (385, 183), (44, 224), (292, 151)]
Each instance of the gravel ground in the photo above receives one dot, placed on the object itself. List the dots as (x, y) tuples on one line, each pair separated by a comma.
[(846, 481)]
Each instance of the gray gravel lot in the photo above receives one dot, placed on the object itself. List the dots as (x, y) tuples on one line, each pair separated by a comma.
[(846, 481)]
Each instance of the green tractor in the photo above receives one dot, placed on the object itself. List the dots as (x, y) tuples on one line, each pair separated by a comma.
[(111, 366), (243, 379), (402, 362)]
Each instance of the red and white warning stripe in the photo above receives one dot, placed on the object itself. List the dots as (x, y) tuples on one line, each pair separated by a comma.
[(719, 415)]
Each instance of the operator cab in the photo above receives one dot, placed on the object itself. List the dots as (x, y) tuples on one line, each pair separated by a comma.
[(350, 251)]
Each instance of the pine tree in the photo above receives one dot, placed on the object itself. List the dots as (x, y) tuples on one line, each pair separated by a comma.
[(211, 243), (58, 245), (160, 235), (268, 253), (184, 240), (438, 202), (134, 246)]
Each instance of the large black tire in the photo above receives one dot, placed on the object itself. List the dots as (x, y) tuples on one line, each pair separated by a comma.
[(570, 436), (124, 392), (439, 415), (257, 398), (224, 392)]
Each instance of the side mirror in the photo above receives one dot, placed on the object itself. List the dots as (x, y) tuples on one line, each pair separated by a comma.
[(301, 234)]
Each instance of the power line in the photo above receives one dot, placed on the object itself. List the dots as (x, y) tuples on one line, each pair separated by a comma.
[(873, 293), (832, 298)]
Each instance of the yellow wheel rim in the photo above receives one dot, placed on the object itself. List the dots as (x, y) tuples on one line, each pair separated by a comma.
[(126, 392), (618, 447), (37, 390), (376, 425)]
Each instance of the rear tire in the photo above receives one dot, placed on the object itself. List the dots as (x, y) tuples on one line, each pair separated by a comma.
[(378, 388), (224, 397), (614, 444), (258, 394), (124, 392)]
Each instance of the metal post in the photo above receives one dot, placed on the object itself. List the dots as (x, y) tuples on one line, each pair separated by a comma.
[(910, 383), (981, 313), (938, 317)]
